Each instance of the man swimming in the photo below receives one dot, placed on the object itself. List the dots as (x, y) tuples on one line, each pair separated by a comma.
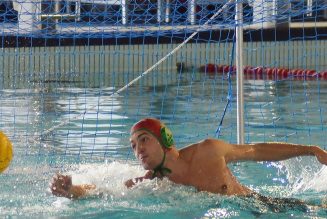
[(202, 165)]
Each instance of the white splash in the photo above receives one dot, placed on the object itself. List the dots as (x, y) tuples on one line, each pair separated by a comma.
[(305, 173), (108, 178), (319, 181)]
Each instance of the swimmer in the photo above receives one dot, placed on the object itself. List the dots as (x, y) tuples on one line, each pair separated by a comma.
[(202, 165)]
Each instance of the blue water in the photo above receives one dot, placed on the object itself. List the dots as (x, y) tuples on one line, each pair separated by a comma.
[(91, 143)]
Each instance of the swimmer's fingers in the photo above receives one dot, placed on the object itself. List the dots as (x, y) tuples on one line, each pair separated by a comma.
[(129, 183), (61, 182), (57, 177), (58, 190), (66, 178)]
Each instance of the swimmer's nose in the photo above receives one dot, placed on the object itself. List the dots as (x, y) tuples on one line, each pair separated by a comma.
[(139, 149)]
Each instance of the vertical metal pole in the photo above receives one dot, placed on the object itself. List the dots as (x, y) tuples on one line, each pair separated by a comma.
[(167, 11), (27, 14), (191, 17), (159, 11), (239, 71), (124, 11), (78, 10), (309, 7), (57, 7)]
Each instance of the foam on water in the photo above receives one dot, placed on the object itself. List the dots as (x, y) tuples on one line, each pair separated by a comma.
[(108, 178), (318, 182), (304, 174)]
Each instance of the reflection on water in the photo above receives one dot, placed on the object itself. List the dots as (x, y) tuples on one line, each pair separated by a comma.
[(95, 122)]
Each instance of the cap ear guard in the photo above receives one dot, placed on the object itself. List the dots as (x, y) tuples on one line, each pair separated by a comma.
[(166, 137)]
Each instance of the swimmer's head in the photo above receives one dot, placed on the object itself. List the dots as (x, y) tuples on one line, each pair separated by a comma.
[(157, 129)]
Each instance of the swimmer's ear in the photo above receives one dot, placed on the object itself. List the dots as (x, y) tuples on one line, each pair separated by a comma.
[(166, 137)]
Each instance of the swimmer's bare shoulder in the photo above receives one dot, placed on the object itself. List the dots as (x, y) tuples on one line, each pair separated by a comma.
[(205, 149)]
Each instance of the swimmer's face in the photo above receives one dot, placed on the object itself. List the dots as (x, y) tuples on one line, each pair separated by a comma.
[(147, 149)]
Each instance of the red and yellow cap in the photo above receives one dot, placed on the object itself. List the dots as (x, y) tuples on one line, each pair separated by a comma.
[(157, 129)]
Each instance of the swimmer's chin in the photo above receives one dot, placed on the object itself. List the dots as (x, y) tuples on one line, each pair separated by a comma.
[(146, 166)]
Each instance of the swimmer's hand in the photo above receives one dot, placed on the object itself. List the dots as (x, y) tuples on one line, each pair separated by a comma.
[(320, 154), (62, 186), (132, 182)]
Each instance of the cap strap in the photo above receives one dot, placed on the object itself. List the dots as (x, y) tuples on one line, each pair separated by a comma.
[(160, 168)]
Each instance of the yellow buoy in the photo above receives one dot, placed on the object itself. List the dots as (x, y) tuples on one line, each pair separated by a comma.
[(5, 152)]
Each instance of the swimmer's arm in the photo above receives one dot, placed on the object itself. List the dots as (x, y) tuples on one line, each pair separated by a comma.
[(132, 182), (274, 151), (62, 186), (80, 191)]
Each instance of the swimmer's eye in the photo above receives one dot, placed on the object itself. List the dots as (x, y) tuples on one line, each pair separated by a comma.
[(133, 146), (144, 139)]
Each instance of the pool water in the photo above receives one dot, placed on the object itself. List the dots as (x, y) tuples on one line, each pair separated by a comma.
[(90, 142)]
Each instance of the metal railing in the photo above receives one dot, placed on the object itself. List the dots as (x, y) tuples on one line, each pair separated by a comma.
[(45, 14)]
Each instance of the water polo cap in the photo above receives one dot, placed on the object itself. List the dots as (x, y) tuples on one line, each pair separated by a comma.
[(157, 129)]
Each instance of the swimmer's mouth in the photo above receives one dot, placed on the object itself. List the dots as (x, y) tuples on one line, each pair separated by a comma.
[(142, 158)]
